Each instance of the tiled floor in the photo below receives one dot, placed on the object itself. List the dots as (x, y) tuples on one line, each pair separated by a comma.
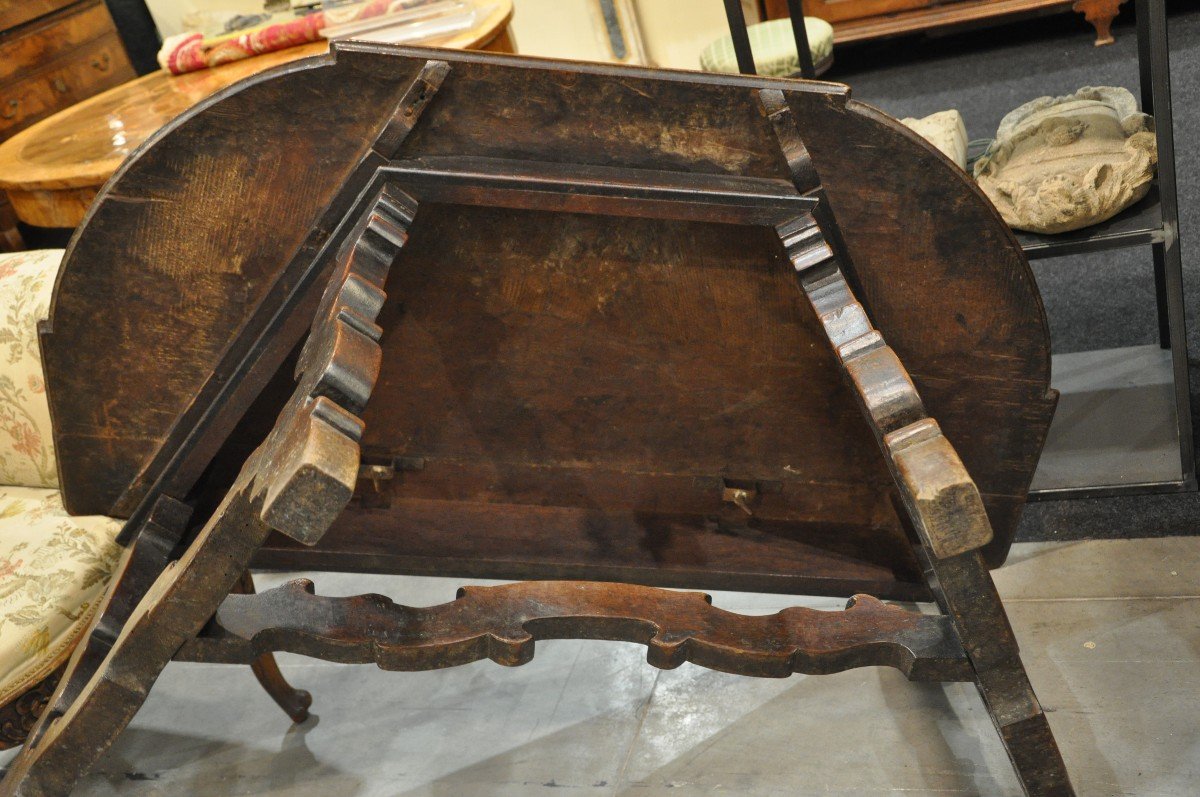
[(1110, 631)]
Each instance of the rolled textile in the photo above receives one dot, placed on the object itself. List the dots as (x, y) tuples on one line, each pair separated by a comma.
[(188, 52)]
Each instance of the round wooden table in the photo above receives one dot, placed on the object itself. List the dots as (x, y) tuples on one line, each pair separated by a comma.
[(53, 170)]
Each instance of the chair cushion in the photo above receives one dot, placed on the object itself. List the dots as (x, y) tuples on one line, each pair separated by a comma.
[(53, 572), (774, 48), (26, 444)]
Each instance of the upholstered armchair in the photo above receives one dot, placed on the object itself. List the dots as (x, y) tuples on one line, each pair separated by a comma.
[(53, 567)]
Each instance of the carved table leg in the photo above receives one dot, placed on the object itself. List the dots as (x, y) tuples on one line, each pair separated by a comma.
[(937, 501), (1101, 14), (966, 592), (294, 702), (301, 477), (297, 482)]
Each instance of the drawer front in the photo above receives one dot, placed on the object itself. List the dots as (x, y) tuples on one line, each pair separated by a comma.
[(18, 12), (89, 70), (27, 51)]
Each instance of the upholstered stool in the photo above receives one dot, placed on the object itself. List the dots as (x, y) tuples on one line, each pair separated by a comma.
[(53, 567), (774, 48)]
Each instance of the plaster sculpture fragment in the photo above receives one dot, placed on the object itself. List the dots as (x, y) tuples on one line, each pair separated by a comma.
[(946, 131), (1062, 163)]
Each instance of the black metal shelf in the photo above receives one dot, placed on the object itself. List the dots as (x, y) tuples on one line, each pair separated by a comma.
[(1124, 424), (1116, 429), (1137, 225)]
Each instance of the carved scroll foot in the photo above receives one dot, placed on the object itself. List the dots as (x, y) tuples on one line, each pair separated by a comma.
[(294, 702), (19, 715)]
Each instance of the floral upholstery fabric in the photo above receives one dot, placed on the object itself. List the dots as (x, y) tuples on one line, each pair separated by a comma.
[(26, 447), (53, 571), (54, 568)]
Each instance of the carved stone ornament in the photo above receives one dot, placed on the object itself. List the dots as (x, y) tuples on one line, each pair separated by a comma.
[(1062, 163), (946, 131)]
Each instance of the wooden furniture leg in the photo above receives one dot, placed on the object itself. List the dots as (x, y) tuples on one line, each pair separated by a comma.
[(942, 508), (938, 501), (1101, 14), (177, 596), (294, 702), (296, 482)]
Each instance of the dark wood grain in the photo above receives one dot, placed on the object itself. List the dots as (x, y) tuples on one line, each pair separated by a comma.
[(608, 369), (938, 503), (295, 482), (649, 349), (502, 624)]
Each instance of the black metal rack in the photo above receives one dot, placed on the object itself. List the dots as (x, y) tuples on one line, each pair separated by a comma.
[(1124, 423)]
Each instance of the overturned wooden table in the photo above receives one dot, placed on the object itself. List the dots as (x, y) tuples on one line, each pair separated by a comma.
[(53, 170), (549, 321)]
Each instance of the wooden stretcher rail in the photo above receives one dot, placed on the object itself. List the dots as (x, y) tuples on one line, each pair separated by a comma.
[(302, 477), (576, 188), (502, 623)]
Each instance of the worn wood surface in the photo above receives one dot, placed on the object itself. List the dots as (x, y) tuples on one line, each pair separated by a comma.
[(502, 624), (586, 386), (294, 702), (674, 345), (940, 507), (302, 475), (937, 502)]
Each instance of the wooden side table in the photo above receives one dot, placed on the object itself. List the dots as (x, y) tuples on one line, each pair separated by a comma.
[(857, 20), (53, 170)]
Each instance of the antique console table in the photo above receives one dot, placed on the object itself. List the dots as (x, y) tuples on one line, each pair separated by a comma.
[(550, 321)]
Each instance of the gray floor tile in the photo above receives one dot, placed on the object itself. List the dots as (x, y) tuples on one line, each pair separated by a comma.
[(1113, 655), (1102, 569), (1119, 680)]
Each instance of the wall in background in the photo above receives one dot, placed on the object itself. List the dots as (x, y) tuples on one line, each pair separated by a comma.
[(169, 14), (667, 33)]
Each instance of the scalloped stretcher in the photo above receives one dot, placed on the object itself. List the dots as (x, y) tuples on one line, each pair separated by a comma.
[(609, 323)]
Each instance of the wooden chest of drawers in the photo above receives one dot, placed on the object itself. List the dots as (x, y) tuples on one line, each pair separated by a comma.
[(53, 53)]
